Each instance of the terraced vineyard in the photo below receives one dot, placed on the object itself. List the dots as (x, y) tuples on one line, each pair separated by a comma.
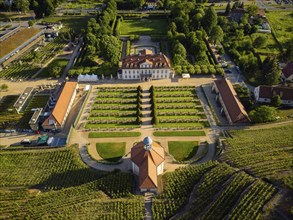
[(218, 192), (27, 67), (116, 107), (73, 191), (8, 114), (178, 185), (177, 107), (264, 152)]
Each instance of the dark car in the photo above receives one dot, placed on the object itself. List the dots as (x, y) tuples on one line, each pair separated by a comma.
[(228, 71)]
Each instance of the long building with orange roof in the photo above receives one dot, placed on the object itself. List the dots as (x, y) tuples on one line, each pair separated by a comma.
[(147, 162), (62, 108)]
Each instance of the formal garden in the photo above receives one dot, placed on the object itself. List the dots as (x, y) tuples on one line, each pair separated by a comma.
[(116, 107), (177, 107)]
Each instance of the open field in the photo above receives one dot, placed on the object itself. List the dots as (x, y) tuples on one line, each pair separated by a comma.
[(115, 107), (265, 153), (177, 107), (240, 197), (111, 151), (182, 150), (76, 23), (113, 134), (146, 26), (178, 133), (281, 24), (16, 40)]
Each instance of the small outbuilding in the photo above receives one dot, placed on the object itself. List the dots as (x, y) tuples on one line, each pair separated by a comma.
[(148, 162)]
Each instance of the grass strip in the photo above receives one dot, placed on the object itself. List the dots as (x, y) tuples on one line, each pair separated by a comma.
[(178, 133), (111, 151), (182, 150), (113, 134)]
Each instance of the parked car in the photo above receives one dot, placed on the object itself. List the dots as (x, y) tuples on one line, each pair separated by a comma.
[(228, 71)]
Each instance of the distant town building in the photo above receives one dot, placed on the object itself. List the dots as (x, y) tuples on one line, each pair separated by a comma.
[(264, 94), (145, 66), (57, 118), (23, 98), (231, 105), (287, 72), (151, 4), (147, 162)]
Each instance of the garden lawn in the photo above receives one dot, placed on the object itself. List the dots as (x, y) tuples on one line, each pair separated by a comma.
[(113, 134), (76, 23), (271, 46), (47, 71), (111, 151), (183, 150), (178, 133), (281, 24), (144, 27), (16, 40)]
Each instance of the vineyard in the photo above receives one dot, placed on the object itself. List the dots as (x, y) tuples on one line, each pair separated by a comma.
[(26, 67), (116, 107), (219, 191), (177, 187), (72, 191), (8, 114), (177, 107), (265, 153)]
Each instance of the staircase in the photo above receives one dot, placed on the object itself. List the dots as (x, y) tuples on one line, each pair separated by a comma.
[(146, 110)]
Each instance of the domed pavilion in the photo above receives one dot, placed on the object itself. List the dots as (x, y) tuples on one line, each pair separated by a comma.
[(147, 162)]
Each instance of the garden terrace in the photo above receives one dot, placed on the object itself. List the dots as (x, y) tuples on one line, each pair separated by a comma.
[(177, 107), (28, 67), (37, 101), (264, 152), (8, 114), (116, 107)]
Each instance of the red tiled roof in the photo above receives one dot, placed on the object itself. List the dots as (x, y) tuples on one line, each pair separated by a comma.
[(288, 69), (62, 104), (285, 93), (156, 60), (229, 96), (147, 161)]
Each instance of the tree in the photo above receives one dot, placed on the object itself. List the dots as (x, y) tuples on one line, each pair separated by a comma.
[(276, 101), (260, 41), (263, 114), (22, 5), (228, 9), (56, 71), (217, 34), (4, 87), (252, 10), (270, 73), (209, 20), (110, 48)]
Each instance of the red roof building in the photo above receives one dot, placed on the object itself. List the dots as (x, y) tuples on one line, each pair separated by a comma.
[(147, 162), (287, 72), (231, 105), (62, 108)]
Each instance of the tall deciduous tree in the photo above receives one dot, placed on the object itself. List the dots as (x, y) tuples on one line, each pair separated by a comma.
[(276, 101), (110, 48), (263, 114), (270, 71), (22, 5), (209, 20), (217, 34)]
